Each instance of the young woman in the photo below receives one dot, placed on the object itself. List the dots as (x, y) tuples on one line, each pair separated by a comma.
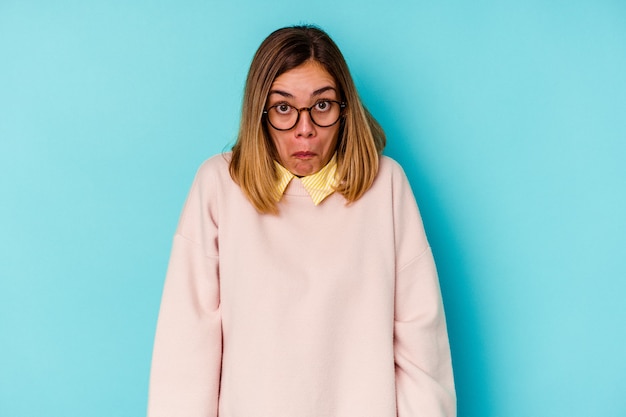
[(301, 283)]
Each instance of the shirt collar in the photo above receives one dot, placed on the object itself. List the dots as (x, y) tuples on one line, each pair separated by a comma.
[(319, 185)]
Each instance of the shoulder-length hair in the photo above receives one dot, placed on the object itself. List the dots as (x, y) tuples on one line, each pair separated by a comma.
[(361, 139)]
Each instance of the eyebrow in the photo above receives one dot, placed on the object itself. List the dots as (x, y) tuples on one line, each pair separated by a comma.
[(315, 93)]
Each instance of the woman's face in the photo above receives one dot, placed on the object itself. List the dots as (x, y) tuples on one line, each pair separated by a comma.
[(306, 148)]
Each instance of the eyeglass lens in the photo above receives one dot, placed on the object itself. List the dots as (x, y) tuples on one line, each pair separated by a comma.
[(323, 113)]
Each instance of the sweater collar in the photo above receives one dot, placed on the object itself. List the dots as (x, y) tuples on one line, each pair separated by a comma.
[(319, 185)]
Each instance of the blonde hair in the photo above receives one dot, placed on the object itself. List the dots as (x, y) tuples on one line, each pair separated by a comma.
[(361, 139)]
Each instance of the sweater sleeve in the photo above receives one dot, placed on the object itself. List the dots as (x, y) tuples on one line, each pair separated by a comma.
[(424, 379), (186, 360)]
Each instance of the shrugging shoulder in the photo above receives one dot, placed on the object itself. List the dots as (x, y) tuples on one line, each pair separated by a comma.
[(424, 377), (186, 360)]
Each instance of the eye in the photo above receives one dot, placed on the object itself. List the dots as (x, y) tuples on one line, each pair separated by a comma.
[(283, 108), (322, 106)]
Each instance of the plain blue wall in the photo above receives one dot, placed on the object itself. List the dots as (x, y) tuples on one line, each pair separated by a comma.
[(509, 118)]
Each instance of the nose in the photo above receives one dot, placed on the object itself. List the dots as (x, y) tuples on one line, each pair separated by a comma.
[(305, 127)]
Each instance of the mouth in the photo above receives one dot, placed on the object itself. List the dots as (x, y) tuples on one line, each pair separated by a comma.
[(303, 155)]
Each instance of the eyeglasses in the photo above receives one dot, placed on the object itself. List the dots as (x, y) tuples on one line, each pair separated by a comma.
[(324, 113)]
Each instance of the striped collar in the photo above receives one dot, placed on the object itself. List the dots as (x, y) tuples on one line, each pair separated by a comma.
[(319, 185)]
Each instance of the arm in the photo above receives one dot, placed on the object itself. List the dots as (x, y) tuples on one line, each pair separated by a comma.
[(186, 360), (424, 379)]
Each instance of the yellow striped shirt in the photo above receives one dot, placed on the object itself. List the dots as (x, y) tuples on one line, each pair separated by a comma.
[(319, 185)]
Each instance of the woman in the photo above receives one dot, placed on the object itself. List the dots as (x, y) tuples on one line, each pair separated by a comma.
[(301, 283)]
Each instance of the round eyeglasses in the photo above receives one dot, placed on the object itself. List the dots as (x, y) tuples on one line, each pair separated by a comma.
[(324, 113)]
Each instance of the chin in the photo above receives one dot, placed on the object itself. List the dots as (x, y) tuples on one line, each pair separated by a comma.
[(305, 170)]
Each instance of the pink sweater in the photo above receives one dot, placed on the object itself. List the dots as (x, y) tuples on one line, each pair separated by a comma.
[(321, 311)]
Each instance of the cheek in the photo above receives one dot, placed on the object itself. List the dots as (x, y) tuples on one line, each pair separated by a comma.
[(274, 139), (331, 140), (280, 142)]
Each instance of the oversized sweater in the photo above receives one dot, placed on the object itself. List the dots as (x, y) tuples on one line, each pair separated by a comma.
[(320, 311)]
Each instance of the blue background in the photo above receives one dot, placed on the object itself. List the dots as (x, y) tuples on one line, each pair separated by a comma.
[(509, 118)]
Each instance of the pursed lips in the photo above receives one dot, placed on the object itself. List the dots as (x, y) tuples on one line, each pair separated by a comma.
[(303, 154)]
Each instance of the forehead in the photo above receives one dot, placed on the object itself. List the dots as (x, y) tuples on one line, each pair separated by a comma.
[(304, 80)]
